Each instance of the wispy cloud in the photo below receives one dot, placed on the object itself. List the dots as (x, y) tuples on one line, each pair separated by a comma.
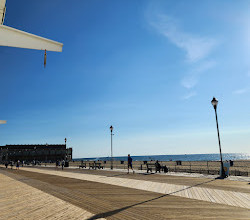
[(196, 47), (241, 91), (192, 78), (189, 95), (204, 66), (189, 81)]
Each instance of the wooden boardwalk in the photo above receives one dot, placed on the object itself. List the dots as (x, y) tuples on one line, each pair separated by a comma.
[(40, 193), (231, 198), (20, 201)]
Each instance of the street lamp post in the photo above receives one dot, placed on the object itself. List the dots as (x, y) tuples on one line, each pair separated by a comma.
[(215, 103), (111, 130), (35, 155), (65, 147)]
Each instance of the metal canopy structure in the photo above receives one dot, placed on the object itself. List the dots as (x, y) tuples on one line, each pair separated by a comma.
[(2, 10), (12, 37)]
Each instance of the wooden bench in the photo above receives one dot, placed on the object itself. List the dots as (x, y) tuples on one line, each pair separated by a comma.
[(83, 165), (91, 165), (98, 165), (95, 165), (151, 166)]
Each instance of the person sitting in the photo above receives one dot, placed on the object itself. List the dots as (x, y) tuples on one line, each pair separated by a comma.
[(157, 166), (165, 169)]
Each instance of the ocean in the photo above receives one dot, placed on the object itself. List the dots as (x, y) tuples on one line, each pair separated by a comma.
[(182, 157)]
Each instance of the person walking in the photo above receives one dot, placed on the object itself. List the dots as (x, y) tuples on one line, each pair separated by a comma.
[(130, 163), (57, 164), (17, 165), (63, 163)]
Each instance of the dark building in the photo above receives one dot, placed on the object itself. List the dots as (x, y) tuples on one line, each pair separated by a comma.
[(38, 152)]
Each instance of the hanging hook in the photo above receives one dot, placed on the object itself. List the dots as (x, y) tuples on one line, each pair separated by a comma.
[(45, 58)]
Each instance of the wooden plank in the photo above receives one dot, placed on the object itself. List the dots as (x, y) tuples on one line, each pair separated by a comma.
[(29, 203), (198, 193)]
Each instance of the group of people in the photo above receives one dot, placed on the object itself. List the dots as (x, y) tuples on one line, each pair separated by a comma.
[(62, 164), (157, 165), (11, 163), (58, 163)]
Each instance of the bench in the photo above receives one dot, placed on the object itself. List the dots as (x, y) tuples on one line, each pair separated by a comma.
[(83, 165), (159, 168), (98, 165), (95, 165), (151, 166)]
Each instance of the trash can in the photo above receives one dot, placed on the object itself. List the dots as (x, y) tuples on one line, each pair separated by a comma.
[(122, 162), (66, 164), (178, 162), (226, 166), (231, 163)]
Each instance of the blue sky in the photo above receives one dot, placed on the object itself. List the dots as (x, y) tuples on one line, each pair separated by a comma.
[(149, 68)]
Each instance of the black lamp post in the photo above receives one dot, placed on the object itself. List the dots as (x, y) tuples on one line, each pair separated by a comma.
[(35, 155), (2, 122), (111, 130), (66, 149), (215, 103)]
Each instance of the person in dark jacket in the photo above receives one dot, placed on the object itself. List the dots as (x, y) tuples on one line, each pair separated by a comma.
[(130, 163), (63, 164), (17, 165), (157, 166)]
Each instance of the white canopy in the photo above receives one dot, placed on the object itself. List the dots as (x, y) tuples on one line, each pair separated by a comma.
[(2, 10), (12, 37)]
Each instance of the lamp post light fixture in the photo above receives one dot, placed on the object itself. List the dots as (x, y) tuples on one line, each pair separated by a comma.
[(215, 103), (111, 130), (65, 139)]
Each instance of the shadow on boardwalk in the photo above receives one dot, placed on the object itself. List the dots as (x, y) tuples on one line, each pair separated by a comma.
[(110, 213)]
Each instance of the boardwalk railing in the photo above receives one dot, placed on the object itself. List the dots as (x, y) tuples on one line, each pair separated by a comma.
[(239, 168)]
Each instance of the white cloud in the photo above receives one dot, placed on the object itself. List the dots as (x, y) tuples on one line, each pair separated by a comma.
[(192, 78), (241, 91), (196, 47), (204, 66), (189, 81), (189, 95)]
